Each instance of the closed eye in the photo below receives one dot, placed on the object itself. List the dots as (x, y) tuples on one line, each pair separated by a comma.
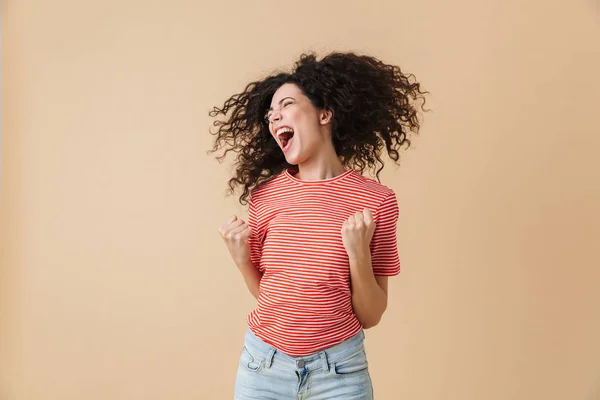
[(284, 105)]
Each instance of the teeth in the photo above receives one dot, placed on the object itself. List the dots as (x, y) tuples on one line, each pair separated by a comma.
[(283, 130)]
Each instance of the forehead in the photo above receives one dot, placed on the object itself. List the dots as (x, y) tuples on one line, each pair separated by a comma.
[(286, 90)]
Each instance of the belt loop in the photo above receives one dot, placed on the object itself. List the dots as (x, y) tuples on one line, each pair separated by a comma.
[(325, 362), (269, 359)]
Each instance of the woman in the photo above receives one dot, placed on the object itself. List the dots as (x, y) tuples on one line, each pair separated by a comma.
[(320, 241)]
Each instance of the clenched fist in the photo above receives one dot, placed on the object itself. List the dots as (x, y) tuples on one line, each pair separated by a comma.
[(235, 233), (357, 232)]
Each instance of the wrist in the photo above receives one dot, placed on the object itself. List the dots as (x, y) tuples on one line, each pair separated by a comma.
[(360, 256), (245, 264), (361, 268)]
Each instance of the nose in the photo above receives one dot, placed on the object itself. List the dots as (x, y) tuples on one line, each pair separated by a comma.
[(276, 116)]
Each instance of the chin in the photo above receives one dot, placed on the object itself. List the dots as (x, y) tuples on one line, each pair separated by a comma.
[(290, 158), (293, 160)]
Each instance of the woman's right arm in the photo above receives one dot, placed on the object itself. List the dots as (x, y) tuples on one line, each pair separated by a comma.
[(235, 233), (252, 277)]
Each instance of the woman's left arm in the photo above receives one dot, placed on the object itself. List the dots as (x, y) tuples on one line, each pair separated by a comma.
[(369, 292)]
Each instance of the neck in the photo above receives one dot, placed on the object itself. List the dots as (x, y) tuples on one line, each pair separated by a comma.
[(325, 164), (320, 171)]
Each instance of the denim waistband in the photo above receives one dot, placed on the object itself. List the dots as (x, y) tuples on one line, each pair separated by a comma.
[(329, 355)]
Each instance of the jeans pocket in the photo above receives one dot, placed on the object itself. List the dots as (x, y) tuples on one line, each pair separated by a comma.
[(250, 361), (354, 364)]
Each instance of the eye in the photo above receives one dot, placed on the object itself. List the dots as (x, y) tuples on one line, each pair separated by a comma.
[(287, 103)]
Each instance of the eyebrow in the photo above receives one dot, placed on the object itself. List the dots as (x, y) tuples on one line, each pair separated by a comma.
[(281, 101)]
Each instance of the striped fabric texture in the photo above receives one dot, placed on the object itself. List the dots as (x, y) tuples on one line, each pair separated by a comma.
[(305, 303)]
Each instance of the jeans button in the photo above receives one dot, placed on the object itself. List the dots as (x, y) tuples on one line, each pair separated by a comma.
[(301, 364)]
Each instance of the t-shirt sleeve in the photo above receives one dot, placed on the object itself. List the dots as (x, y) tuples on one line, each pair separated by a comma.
[(256, 238), (384, 246)]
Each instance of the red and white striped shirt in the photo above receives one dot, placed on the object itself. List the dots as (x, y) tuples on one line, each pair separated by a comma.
[(305, 303)]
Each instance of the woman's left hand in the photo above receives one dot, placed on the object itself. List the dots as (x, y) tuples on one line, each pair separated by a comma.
[(357, 232)]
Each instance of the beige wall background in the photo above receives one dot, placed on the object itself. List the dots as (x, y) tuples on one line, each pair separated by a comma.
[(114, 283)]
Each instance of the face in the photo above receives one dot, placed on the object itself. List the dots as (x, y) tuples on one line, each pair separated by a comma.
[(300, 129)]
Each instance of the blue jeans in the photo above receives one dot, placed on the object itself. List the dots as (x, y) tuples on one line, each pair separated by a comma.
[(340, 372)]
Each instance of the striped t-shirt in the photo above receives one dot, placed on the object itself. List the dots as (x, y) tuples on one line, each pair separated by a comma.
[(305, 304)]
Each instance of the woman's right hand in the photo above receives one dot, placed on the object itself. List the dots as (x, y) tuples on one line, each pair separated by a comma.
[(235, 233)]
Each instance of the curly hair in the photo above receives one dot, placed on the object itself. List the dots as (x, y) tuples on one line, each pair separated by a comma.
[(374, 106)]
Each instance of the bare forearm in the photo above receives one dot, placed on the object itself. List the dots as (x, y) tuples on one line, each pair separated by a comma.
[(252, 277), (369, 300)]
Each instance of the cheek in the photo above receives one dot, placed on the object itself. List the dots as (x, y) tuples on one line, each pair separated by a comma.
[(304, 120), (296, 117)]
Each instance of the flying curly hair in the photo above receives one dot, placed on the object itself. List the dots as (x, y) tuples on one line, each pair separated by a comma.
[(375, 106)]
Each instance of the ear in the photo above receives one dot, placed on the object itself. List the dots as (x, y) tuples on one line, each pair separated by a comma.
[(326, 116)]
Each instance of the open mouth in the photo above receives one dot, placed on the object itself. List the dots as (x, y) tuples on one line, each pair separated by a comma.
[(285, 136)]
